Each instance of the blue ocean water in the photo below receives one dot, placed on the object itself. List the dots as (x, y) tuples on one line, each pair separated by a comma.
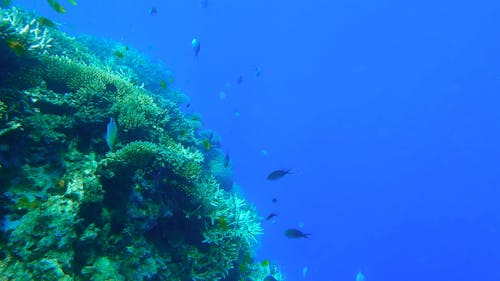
[(386, 112)]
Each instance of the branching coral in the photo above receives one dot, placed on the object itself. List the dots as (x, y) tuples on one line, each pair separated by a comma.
[(79, 208), (17, 25)]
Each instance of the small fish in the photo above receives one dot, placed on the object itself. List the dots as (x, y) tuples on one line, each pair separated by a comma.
[(265, 263), (271, 215), (163, 84), (274, 200), (239, 80), (188, 105), (43, 21), (227, 160), (278, 174), (16, 47), (195, 43), (206, 144), (223, 223), (243, 268), (56, 6), (72, 2), (153, 11), (248, 258), (119, 54), (360, 277), (293, 233), (5, 3), (257, 71), (222, 95), (111, 133), (264, 152), (304, 271)]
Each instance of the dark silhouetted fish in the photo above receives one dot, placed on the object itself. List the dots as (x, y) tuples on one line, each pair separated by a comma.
[(293, 233), (270, 216), (227, 160), (274, 200), (278, 174)]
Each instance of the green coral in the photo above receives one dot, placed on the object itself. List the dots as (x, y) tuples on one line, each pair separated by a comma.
[(138, 110), (3, 109), (73, 208)]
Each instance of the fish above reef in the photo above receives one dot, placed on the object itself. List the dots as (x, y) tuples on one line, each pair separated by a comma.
[(293, 233), (111, 133), (43, 21), (119, 54), (206, 144), (227, 160), (195, 43), (5, 3), (360, 277), (163, 84), (153, 11), (56, 6), (271, 216), (278, 174), (16, 47), (257, 71)]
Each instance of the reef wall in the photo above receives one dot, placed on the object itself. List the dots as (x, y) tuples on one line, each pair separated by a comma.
[(155, 203)]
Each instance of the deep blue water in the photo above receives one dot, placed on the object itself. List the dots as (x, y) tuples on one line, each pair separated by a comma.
[(388, 113)]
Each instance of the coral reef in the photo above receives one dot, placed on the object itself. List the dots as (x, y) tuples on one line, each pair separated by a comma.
[(157, 207)]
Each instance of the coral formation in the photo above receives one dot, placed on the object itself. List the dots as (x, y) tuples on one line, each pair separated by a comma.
[(157, 207)]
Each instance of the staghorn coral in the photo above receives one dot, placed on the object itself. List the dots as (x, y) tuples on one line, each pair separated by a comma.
[(138, 110), (20, 26)]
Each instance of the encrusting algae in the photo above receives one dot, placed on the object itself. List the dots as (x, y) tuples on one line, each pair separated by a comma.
[(149, 201)]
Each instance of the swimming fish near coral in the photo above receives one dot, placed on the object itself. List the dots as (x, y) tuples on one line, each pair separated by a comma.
[(227, 160), (43, 21), (206, 144), (163, 84), (278, 174), (195, 43), (56, 6), (111, 133), (293, 233), (119, 54), (5, 3), (16, 47)]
